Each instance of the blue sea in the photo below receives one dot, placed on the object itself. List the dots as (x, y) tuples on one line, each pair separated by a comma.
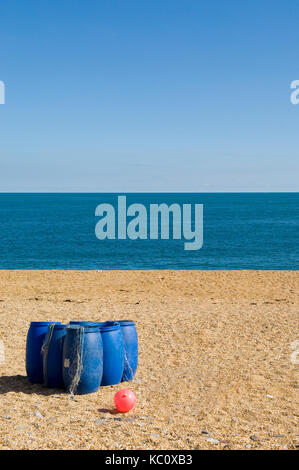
[(240, 231)]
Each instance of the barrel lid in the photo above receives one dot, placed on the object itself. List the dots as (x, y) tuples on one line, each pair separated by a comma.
[(86, 328), (126, 322), (44, 323), (59, 326), (109, 326)]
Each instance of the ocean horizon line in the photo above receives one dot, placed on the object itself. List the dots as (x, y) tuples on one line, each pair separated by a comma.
[(149, 192)]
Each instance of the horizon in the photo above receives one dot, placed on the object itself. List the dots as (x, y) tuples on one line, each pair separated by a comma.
[(149, 192)]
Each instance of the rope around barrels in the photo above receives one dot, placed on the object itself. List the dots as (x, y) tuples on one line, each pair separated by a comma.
[(45, 349), (79, 357), (126, 367)]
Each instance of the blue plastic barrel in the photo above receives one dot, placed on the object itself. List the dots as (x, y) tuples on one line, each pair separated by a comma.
[(113, 353), (34, 360), (52, 356), (129, 332), (82, 368)]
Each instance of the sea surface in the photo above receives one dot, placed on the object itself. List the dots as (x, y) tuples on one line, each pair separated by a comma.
[(240, 231)]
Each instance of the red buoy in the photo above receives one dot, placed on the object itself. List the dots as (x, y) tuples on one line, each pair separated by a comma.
[(124, 400)]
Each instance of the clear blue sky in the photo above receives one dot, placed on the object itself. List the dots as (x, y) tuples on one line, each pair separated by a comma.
[(149, 95)]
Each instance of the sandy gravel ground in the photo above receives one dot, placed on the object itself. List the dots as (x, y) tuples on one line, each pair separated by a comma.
[(216, 366)]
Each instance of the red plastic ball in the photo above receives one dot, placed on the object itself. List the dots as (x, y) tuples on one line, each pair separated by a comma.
[(124, 400)]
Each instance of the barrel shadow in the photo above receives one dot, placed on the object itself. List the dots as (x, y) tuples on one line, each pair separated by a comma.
[(112, 411), (20, 383)]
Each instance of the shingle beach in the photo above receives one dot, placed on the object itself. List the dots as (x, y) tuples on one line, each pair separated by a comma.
[(218, 367)]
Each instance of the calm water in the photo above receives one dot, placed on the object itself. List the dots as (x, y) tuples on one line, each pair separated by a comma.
[(57, 231)]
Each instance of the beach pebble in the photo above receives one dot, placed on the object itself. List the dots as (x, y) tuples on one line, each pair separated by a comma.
[(248, 446), (53, 419), (205, 432), (212, 440), (6, 417), (254, 438), (37, 414), (269, 396), (99, 421)]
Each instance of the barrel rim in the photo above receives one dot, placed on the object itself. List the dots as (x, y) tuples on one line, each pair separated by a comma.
[(126, 322), (86, 328), (109, 326), (44, 323), (59, 326)]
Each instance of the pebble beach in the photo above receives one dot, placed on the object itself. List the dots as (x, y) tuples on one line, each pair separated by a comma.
[(218, 367)]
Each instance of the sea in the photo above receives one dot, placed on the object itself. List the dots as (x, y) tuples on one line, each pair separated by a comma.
[(58, 231)]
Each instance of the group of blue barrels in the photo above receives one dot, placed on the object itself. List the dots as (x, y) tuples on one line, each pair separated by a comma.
[(81, 356)]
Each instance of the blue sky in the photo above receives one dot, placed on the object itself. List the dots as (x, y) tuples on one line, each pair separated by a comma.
[(151, 95)]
